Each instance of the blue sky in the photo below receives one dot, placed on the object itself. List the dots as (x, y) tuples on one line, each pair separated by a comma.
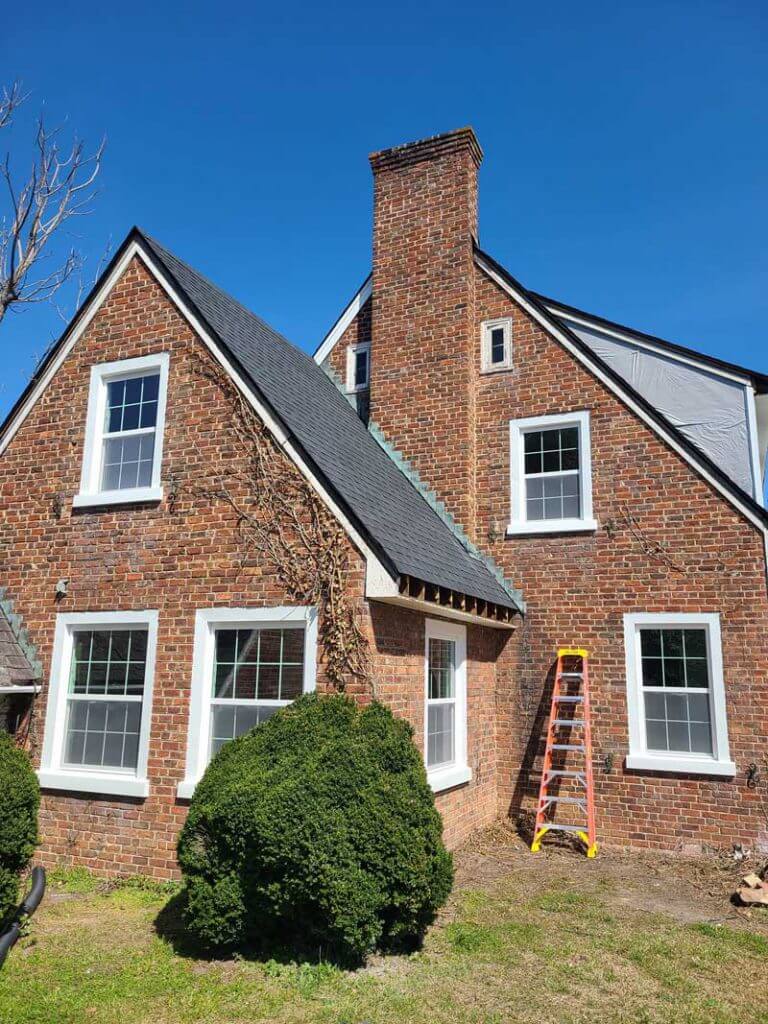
[(626, 148)]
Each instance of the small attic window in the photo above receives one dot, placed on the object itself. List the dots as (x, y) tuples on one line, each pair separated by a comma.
[(496, 345), (358, 367)]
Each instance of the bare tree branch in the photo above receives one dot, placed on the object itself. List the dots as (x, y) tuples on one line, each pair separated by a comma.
[(59, 187)]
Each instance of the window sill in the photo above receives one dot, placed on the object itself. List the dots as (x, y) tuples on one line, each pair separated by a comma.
[(501, 368), (448, 778), (129, 496), (680, 765), (552, 526), (87, 782), (186, 789)]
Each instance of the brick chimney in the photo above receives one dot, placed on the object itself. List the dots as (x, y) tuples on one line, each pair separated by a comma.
[(423, 310)]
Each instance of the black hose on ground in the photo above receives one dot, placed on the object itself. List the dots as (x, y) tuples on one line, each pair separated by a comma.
[(27, 907)]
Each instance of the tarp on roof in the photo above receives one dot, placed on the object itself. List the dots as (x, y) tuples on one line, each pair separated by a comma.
[(708, 409)]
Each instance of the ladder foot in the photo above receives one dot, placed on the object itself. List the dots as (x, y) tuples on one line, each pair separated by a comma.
[(536, 844), (592, 851)]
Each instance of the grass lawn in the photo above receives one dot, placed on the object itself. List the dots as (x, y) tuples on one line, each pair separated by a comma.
[(547, 938)]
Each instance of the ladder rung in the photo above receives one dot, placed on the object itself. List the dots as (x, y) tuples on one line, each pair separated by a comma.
[(554, 827), (552, 772), (571, 675), (566, 800), (568, 721), (569, 700), (568, 746)]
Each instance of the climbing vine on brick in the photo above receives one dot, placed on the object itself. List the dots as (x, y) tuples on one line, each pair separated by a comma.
[(279, 514)]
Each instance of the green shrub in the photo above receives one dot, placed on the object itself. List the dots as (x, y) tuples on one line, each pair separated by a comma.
[(317, 828), (19, 801)]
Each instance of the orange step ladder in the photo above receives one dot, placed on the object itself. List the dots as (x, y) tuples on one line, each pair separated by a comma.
[(570, 694)]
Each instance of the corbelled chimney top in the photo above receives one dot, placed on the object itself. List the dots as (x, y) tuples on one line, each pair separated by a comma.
[(428, 149)]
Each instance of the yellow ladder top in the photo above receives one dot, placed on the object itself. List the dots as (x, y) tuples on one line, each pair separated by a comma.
[(572, 652)]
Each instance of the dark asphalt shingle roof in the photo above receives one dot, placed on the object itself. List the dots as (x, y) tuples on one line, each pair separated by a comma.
[(395, 519), (15, 667)]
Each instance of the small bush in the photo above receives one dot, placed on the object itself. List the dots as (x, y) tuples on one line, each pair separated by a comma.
[(19, 802), (318, 827)]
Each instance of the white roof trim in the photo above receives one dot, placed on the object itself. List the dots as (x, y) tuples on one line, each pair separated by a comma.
[(135, 249), (329, 341), (552, 328)]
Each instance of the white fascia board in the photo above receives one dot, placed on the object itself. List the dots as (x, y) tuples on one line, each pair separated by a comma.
[(554, 331), (329, 341), (275, 427)]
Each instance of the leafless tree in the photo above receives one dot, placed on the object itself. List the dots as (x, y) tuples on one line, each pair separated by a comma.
[(58, 188)]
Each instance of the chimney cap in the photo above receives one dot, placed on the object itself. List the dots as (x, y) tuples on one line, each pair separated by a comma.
[(428, 149)]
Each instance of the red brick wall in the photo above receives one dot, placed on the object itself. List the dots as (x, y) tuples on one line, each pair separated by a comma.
[(176, 557), (687, 548), (425, 213), (577, 589)]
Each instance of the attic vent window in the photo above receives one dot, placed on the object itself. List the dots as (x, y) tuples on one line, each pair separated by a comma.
[(496, 344), (358, 367)]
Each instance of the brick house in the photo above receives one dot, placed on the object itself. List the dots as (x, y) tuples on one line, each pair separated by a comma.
[(507, 473)]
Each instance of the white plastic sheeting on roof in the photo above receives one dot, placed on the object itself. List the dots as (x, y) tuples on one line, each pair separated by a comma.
[(711, 410)]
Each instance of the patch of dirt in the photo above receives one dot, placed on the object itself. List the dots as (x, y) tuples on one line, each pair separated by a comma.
[(689, 889)]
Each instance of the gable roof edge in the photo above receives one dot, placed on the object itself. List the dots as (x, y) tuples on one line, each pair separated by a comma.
[(703, 465), (346, 317)]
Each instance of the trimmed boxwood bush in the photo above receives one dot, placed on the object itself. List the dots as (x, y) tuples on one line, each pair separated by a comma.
[(19, 802), (317, 828)]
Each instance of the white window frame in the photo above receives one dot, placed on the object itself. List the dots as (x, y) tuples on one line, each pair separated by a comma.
[(448, 776), (90, 493), (52, 773), (639, 757), (207, 622), (352, 350), (486, 333), (518, 524)]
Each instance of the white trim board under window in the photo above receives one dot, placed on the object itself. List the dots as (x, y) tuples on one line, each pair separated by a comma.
[(247, 662), (124, 429), (445, 704), (676, 694), (358, 367), (551, 474), (496, 345), (99, 708)]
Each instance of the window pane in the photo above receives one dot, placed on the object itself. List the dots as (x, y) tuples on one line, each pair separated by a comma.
[(227, 722), (127, 462), (95, 668), (361, 367), (656, 735), (132, 402), (258, 664), (695, 641), (440, 734), (497, 345), (561, 497), (650, 643), (533, 462), (103, 734), (441, 668), (674, 672)]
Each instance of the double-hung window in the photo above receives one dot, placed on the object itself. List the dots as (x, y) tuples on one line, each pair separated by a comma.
[(247, 663), (124, 432), (496, 345), (551, 474), (99, 703), (445, 714), (675, 694)]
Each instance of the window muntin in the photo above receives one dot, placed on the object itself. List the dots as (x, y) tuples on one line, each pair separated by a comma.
[(441, 702), (255, 671), (99, 703), (675, 679), (129, 432), (496, 344), (124, 432), (552, 473)]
